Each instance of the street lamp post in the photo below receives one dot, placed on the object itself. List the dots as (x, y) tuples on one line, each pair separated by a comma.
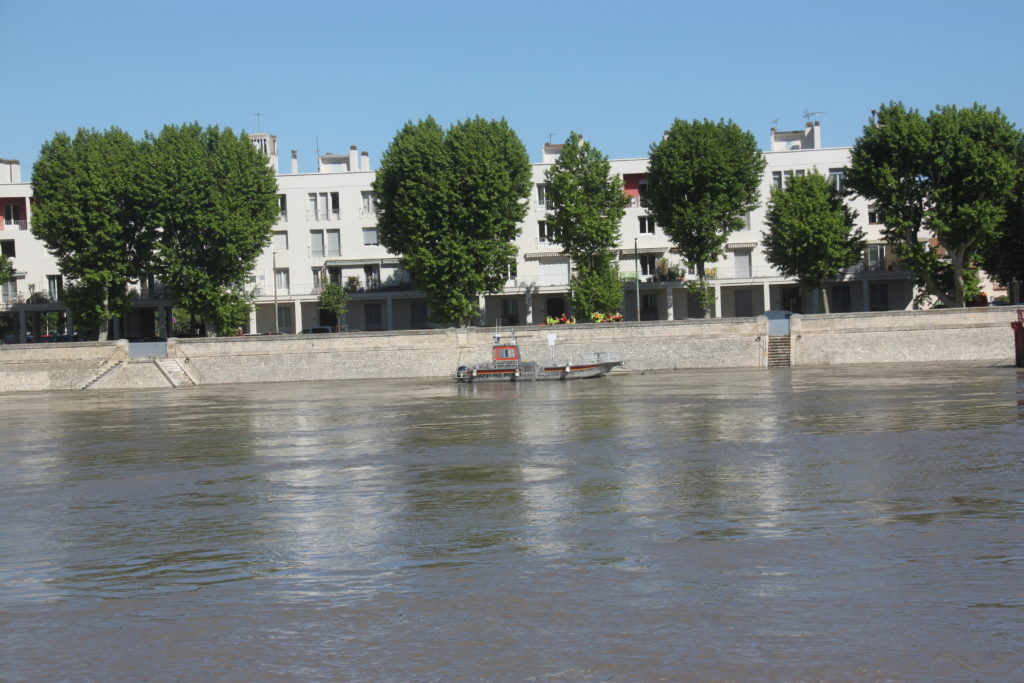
[(636, 265), (277, 328)]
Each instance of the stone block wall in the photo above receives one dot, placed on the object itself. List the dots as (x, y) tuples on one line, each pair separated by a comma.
[(956, 334)]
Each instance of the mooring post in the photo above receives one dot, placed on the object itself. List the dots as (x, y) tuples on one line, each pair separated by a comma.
[(1018, 337)]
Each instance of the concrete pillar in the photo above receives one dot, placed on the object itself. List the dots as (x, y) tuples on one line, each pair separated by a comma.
[(69, 320), (296, 316), (482, 306), (117, 327), (528, 308), (865, 293), (389, 312), (767, 294), (161, 321), (22, 327), (670, 306), (252, 321), (718, 300)]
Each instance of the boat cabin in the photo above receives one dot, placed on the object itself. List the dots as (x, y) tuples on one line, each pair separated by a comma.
[(506, 352)]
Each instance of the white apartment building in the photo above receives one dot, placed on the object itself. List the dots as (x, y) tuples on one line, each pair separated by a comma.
[(327, 232)]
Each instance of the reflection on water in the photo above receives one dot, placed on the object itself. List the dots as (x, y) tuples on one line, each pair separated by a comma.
[(853, 524)]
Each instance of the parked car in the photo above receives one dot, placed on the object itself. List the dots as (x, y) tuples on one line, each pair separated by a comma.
[(317, 330)]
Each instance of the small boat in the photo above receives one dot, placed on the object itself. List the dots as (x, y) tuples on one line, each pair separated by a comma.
[(508, 366)]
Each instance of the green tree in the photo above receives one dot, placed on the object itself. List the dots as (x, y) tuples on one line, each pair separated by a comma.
[(702, 178), (214, 197), (6, 268), (589, 204), (950, 176), (811, 233), (450, 203), (88, 213), (335, 299)]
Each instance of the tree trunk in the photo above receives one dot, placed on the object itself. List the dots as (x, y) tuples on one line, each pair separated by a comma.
[(824, 298), (208, 327), (702, 279), (101, 332), (957, 261)]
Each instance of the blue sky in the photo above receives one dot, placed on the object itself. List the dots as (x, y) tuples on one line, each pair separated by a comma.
[(351, 73)]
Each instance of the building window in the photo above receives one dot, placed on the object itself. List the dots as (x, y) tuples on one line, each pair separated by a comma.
[(874, 257), (7, 248), (837, 177), (511, 273), (9, 290), (282, 205), (318, 279), (279, 240), (284, 318), (777, 179), (324, 206), (647, 264), (642, 189), (55, 286), (281, 280), (369, 204), (542, 197), (370, 237), (316, 243), (334, 242), (12, 214), (646, 225), (799, 173), (373, 314), (545, 233), (874, 215)]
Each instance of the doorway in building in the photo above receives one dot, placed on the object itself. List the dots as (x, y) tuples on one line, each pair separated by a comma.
[(744, 303), (791, 300)]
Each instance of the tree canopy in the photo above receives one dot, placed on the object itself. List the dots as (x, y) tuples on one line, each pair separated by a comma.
[(450, 203), (588, 207), (811, 233), (6, 268), (193, 205), (335, 299), (88, 211), (214, 198), (949, 177), (702, 178)]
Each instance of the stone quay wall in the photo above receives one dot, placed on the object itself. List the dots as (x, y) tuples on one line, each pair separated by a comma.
[(954, 334), (977, 334)]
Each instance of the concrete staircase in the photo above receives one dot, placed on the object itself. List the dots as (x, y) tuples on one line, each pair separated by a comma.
[(104, 370), (778, 351), (175, 373)]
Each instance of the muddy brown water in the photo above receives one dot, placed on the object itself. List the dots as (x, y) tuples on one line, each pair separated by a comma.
[(858, 523)]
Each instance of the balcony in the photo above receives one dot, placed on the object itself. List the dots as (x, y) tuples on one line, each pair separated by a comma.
[(14, 224), (323, 215)]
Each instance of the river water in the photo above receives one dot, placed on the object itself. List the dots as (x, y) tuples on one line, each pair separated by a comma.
[(849, 524)]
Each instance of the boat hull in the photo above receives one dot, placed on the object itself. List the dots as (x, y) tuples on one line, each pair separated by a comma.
[(532, 372)]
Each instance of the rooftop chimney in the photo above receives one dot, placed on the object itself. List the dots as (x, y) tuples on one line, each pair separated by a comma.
[(295, 162), (353, 158), (364, 162)]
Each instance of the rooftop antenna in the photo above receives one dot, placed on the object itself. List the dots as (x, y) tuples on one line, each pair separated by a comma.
[(258, 115), (808, 115), (550, 135), (318, 162)]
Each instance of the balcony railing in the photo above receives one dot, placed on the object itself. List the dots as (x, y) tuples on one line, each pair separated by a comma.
[(12, 224), (323, 215)]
